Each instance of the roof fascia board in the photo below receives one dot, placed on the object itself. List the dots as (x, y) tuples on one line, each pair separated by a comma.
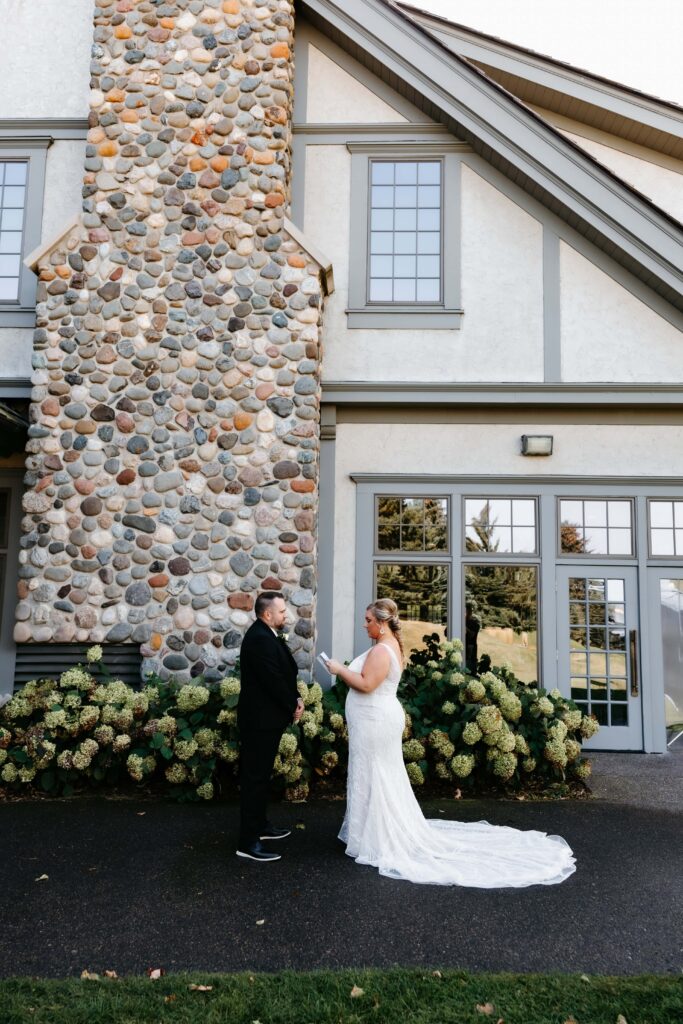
[(504, 124), (558, 77)]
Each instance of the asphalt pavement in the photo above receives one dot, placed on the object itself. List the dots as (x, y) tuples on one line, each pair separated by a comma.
[(134, 884)]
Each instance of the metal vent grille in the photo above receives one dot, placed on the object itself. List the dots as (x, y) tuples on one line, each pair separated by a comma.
[(35, 661)]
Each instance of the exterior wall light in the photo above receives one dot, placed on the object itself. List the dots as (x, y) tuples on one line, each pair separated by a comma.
[(537, 444)]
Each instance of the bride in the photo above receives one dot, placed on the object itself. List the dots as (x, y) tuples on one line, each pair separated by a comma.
[(384, 825)]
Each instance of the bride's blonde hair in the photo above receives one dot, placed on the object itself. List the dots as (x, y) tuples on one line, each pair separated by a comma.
[(386, 611)]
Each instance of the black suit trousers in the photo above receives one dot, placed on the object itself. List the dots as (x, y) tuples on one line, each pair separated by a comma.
[(257, 754)]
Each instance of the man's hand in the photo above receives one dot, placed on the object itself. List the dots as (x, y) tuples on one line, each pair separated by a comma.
[(299, 709)]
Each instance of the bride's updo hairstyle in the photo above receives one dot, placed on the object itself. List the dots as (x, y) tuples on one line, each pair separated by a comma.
[(386, 612)]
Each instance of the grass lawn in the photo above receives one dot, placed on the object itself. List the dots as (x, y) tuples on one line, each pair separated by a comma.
[(396, 996)]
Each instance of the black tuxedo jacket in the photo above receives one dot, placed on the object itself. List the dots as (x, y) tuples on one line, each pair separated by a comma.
[(268, 672)]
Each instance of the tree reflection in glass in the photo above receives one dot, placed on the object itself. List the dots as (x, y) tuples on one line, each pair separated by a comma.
[(421, 593), (504, 600)]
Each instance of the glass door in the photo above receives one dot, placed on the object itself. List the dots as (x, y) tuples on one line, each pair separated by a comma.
[(666, 612), (598, 650)]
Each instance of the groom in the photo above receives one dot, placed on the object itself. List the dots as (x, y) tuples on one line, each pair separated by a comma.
[(269, 702)]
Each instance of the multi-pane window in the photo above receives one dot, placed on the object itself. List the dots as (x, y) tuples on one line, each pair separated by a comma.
[(405, 231), (412, 524), (501, 525), (411, 545), (666, 528), (501, 600), (597, 656), (596, 527), (13, 179)]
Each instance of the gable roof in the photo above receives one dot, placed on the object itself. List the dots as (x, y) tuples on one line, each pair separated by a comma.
[(558, 86), (504, 131)]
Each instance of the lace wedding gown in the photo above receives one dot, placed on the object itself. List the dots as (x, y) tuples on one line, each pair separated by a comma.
[(384, 825)]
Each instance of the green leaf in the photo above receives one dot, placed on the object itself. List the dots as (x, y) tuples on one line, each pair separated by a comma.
[(166, 753), (20, 755), (157, 741), (185, 734), (231, 701), (48, 781)]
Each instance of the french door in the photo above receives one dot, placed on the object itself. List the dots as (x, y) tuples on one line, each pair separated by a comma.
[(598, 650)]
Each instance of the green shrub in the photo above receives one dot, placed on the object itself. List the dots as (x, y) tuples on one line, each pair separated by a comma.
[(488, 728), (87, 730)]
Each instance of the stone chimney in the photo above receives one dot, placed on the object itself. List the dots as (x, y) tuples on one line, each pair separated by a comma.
[(172, 464)]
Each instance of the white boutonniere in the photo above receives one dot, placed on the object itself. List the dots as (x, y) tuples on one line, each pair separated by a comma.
[(283, 636)]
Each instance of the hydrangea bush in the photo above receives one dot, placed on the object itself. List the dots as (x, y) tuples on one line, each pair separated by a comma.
[(487, 728), (87, 729)]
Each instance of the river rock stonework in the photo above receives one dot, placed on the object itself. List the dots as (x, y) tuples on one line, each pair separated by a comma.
[(173, 450)]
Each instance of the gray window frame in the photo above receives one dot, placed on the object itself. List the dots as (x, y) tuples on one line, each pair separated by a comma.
[(596, 556), (651, 556), (33, 151), (496, 556), (361, 312)]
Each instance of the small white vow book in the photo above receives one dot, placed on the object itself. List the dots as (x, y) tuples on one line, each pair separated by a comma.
[(323, 659)]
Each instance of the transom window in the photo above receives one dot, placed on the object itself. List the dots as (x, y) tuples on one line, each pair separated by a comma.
[(13, 178), (405, 231), (666, 528), (412, 524), (596, 527), (501, 525)]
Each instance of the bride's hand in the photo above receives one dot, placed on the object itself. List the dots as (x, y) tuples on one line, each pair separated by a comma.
[(334, 667)]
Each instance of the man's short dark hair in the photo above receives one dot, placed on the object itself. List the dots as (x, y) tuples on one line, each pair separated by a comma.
[(264, 601)]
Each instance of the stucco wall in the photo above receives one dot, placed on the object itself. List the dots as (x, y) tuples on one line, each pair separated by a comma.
[(45, 58), (608, 334), (335, 96), (63, 184), (475, 448), (663, 185), (502, 289)]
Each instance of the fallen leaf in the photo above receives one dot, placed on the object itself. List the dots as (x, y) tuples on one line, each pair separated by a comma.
[(87, 976), (200, 988), (356, 992), (570, 1020), (251, 979), (300, 825), (486, 1008), (621, 1019), (41, 878), (437, 974), (457, 795), (584, 977), (141, 814), (155, 972), (110, 974), (262, 921), (170, 999)]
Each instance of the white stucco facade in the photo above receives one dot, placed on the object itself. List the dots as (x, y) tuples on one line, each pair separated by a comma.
[(45, 68), (607, 333), (582, 450)]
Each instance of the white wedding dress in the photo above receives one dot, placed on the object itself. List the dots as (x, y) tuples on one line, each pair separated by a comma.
[(384, 825)]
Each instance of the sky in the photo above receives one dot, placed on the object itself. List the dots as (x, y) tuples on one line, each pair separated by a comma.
[(635, 42)]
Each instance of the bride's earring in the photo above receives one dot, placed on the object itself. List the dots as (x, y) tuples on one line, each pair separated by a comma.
[(381, 630)]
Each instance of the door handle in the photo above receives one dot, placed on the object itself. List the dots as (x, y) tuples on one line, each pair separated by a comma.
[(633, 651)]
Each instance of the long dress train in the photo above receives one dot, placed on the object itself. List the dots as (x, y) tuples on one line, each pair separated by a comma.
[(384, 825)]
